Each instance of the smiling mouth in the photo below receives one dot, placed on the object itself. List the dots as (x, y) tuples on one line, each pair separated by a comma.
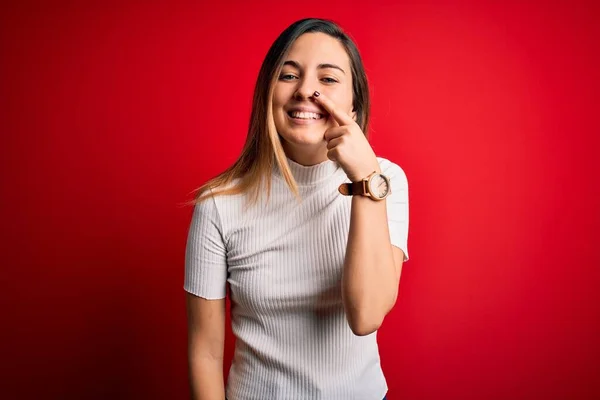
[(303, 115)]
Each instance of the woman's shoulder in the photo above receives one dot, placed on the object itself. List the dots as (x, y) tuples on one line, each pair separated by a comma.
[(391, 169), (226, 191)]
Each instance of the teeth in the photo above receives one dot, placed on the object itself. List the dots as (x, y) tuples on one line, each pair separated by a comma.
[(305, 115)]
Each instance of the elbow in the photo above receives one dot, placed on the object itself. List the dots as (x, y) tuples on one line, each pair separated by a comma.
[(365, 322), (364, 319), (363, 331), (363, 326)]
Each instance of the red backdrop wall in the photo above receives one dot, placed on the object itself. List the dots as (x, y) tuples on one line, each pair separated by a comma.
[(112, 113)]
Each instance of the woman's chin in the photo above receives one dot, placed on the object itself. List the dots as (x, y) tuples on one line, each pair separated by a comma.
[(306, 138)]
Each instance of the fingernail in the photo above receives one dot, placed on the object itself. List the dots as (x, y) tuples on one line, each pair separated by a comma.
[(316, 94)]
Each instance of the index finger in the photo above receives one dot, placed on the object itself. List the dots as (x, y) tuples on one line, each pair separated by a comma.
[(338, 115)]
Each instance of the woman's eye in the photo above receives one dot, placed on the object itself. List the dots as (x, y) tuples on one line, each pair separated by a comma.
[(329, 80), (287, 77)]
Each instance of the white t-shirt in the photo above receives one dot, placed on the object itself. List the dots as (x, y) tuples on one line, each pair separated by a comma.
[(283, 262)]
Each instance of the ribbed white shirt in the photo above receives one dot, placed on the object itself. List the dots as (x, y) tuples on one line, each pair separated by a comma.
[(283, 262)]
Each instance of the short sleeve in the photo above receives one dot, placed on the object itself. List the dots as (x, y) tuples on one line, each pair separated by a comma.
[(397, 205), (205, 253)]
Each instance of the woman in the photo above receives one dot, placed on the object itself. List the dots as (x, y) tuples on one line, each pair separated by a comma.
[(312, 261)]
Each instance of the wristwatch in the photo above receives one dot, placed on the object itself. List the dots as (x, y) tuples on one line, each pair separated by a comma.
[(376, 186)]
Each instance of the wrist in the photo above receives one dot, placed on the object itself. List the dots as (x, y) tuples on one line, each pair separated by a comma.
[(363, 173)]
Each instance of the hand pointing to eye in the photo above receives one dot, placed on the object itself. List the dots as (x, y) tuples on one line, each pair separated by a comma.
[(346, 143)]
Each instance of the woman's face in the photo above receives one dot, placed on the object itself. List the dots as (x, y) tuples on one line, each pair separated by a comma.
[(316, 62)]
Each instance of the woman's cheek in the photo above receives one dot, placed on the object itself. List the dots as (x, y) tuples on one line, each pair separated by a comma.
[(340, 96)]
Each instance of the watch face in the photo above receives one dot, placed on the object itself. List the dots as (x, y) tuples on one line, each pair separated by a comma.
[(380, 186)]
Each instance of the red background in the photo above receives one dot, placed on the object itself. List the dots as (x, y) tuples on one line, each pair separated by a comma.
[(112, 113)]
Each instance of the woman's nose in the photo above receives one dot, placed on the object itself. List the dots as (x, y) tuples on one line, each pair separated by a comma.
[(305, 89)]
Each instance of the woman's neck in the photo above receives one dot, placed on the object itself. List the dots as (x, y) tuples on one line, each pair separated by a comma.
[(306, 155)]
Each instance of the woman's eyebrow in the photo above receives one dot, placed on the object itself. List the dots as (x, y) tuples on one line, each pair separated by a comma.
[(296, 65)]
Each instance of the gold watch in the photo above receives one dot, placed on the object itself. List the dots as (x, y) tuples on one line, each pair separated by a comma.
[(376, 186)]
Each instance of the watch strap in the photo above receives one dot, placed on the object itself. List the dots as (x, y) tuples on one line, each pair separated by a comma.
[(353, 188)]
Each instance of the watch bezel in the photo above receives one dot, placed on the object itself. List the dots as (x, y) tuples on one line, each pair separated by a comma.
[(370, 190)]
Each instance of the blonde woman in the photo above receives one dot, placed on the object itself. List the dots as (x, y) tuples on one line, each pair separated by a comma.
[(308, 230)]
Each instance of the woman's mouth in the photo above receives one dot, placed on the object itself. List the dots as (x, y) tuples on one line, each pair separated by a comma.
[(306, 117)]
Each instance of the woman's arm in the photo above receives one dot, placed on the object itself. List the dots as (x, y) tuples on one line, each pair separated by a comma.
[(206, 342), (372, 267)]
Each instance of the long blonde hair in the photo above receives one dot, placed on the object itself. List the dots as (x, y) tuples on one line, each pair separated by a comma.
[(263, 148)]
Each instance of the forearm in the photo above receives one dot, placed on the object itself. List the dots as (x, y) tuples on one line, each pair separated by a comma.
[(369, 286), (206, 378)]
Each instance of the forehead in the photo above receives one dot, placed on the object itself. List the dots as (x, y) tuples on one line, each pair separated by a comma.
[(311, 49)]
